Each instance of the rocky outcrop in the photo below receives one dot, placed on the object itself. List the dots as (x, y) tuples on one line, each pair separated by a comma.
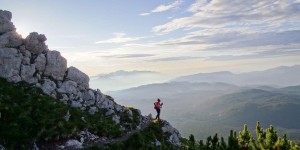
[(175, 136), (35, 43), (31, 61), (76, 75), (5, 22), (10, 64), (11, 39), (56, 65)]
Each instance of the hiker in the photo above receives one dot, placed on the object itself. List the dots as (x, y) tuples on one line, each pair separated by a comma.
[(157, 107)]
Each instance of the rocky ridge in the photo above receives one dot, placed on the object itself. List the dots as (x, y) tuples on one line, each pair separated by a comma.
[(31, 61)]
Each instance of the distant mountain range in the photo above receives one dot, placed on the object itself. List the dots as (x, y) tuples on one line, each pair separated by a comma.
[(207, 103), (279, 76), (125, 79)]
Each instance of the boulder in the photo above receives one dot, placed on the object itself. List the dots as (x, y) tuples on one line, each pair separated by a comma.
[(10, 62), (78, 76), (35, 43), (89, 95), (27, 72), (105, 103), (5, 22), (48, 87), (175, 135), (116, 119), (93, 110), (40, 62), (56, 65), (11, 39), (68, 87), (76, 104), (73, 144), (109, 112)]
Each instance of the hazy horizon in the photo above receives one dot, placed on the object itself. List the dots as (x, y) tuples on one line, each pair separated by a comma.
[(173, 37)]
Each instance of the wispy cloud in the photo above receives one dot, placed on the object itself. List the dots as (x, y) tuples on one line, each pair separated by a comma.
[(162, 8), (225, 13), (128, 56), (178, 58), (119, 38)]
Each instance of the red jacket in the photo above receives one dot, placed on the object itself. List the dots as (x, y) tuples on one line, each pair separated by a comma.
[(157, 105)]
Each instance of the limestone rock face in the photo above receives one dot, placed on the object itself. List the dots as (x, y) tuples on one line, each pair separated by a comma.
[(56, 65), (78, 76), (68, 87), (174, 138), (40, 62), (48, 87), (35, 43), (5, 22), (27, 72), (10, 62), (11, 39)]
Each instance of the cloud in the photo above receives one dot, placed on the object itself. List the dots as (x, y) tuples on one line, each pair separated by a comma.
[(119, 38), (232, 13), (264, 54), (123, 73), (144, 14), (198, 5), (179, 58), (162, 8), (128, 56)]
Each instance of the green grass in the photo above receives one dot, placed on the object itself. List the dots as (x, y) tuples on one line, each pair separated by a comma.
[(27, 116)]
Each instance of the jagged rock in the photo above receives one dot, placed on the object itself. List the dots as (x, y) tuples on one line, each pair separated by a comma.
[(40, 62), (68, 87), (5, 24), (129, 113), (175, 135), (118, 108), (174, 139), (157, 143), (78, 76), (116, 119), (93, 110), (73, 144), (109, 112), (26, 61), (67, 116), (64, 97), (98, 95), (56, 65), (89, 95), (48, 86), (15, 79), (105, 103), (11, 39), (76, 104), (35, 43), (27, 72), (10, 62), (87, 136)]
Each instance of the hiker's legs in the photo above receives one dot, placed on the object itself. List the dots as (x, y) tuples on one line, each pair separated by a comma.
[(158, 113)]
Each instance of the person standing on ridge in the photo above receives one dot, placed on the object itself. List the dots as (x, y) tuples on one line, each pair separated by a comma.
[(157, 107)]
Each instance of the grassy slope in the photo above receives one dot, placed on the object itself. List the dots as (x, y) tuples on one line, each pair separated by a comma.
[(27, 115)]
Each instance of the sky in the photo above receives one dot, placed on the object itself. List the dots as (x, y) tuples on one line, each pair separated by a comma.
[(174, 37)]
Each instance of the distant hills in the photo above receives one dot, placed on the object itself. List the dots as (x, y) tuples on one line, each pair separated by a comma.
[(279, 76), (125, 79), (207, 103)]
